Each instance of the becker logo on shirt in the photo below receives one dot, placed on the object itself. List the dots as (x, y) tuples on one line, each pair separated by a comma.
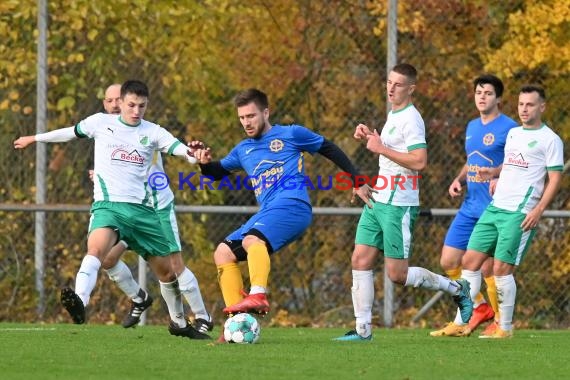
[(121, 156), (514, 159)]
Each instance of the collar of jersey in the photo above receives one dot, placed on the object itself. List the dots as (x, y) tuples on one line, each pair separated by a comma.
[(534, 129), (401, 109), (127, 124)]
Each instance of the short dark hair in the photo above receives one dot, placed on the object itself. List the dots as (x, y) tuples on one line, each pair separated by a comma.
[(252, 95), (134, 86), (528, 88), (492, 80), (406, 70)]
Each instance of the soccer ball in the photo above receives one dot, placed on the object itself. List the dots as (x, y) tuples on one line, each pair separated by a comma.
[(241, 328)]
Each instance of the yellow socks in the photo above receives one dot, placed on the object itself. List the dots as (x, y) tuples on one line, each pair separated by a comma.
[(231, 283), (492, 294), (259, 264), (454, 273)]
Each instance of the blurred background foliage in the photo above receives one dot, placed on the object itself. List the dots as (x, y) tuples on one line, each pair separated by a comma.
[(323, 64)]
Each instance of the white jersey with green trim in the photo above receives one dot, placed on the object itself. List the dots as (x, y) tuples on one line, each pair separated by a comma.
[(123, 156), (161, 198), (529, 155), (404, 131)]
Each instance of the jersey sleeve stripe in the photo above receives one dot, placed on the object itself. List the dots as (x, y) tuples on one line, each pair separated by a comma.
[(417, 146), (557, 168), (78, 132), (173, 146)]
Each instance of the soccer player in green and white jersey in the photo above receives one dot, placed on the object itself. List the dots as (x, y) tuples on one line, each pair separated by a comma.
[(124, 148), (533, 153), (119, 272), (387, 227)]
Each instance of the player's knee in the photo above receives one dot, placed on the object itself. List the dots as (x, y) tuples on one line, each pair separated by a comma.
[(398, 276), (250, 240), (162, 269), (362, 260), (109, 262), (450, 258), (224, 255)]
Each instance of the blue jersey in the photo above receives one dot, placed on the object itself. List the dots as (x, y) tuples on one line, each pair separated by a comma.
[(484, 146), (274, 162)]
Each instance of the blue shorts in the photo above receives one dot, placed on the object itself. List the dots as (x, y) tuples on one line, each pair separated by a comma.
[(278, 224), (460, 230)]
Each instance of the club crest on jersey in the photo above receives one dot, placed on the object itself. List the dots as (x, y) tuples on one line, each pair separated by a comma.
[(488, 139), (144, 140), (276, 145), (123, 157)]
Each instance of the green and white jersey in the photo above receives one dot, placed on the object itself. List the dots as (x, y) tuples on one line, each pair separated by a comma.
[(404, 131), (123, 156), (164, 197), (529, 155)]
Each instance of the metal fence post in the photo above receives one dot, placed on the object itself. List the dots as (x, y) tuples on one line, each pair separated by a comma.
[(41, 121), (391, 60)]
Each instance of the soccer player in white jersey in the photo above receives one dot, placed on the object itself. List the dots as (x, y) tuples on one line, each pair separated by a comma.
[(533, 153), (485, 139), (120, 273), (115, 268), (124, 149), (387, 227)]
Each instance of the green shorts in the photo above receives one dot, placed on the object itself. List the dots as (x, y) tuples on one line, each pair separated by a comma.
[(388, 228), (498, 233), (170, 227), (136, 224)]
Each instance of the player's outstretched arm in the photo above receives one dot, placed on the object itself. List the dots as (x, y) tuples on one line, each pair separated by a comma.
[(56, 136), (331, 151)]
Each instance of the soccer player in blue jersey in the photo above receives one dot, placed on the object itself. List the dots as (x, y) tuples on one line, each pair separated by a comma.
[(273, 158), (484, 147)]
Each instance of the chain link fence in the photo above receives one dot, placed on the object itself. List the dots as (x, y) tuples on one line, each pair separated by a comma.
[(323, 66)]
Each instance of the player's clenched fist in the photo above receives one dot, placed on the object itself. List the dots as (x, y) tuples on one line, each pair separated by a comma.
[(361, 131)]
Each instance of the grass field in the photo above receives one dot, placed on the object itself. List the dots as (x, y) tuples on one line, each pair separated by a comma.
[(62, 351)]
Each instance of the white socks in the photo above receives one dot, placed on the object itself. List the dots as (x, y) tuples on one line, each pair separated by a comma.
[(189, 287), (171, 294), (422, 278), (474, 280), (122, 276), (86, 277), (507, 292), (256, 289), (362, 300)]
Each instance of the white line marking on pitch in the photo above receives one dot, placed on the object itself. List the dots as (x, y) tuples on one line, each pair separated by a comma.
[(27, 329)]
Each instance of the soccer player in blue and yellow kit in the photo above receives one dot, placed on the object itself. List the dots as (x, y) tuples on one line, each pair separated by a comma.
[(272, 156), (484, 147)]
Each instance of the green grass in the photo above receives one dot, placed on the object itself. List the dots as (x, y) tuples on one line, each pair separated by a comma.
[(61, 351)]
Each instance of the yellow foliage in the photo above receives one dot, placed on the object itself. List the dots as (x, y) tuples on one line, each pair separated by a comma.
[(538, 36)]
